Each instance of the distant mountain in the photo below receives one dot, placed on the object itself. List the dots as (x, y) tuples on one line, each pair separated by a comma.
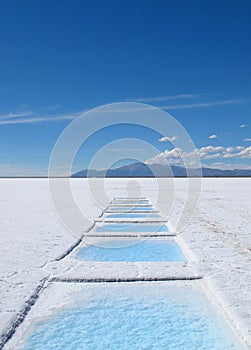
[(159, 170)]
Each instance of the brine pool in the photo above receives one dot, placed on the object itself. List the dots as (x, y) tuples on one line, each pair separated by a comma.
[(122, 316), (130, 209), (131, 202), (132, 216), (132, 227), (132, 250)]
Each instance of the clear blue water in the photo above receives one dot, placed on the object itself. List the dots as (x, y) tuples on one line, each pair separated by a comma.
[(132, 250), (132, 216), (139, 227), (135, 317), (130, 209)]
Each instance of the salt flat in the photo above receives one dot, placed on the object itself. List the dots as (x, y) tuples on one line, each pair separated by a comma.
[(218, 236)]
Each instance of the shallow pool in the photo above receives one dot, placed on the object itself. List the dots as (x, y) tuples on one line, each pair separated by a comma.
[(132, 228), (131, 216), (132, 250), (131, 202), (130, 209), (135, 316), (130, 198)]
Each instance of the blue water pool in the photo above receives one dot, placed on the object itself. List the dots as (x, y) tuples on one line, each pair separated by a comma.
[(132, 250), (130, 209), (132, 216), (132, 228), (136, 316)]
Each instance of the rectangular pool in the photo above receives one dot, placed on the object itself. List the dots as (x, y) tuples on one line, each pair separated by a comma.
[(132, 227), (132, 250), (130, 199), (108, 316), (132, 216), (118, 209), (131, 202)]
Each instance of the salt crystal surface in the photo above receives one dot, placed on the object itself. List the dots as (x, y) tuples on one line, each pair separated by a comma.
[(31, 236)]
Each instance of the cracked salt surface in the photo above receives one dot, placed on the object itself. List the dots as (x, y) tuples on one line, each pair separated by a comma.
[(172, 315)]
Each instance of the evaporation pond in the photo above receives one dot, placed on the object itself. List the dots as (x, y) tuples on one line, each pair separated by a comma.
[(144, 202), (108, 316), (131, 216), (132, 250), (130, 209), (132, 227)]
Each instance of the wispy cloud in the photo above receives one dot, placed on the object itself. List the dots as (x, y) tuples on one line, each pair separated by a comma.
[(26, 118), (169, 107), (188, 105), (15, 115), (31, 117), (213, 136), (207, 104), (247, 139), (162, 98), (167, 139)]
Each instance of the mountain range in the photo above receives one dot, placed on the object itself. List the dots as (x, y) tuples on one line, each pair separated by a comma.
[(159, 170)]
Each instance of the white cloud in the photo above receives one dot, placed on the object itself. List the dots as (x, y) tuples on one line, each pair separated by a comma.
[(209, 149), (213, 136), (245, 153), (178, 156), (168, 139), (247, 139), (243, 126), (173, 157)]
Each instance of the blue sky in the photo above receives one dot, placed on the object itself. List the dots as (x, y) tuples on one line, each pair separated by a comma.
[(62, 57)]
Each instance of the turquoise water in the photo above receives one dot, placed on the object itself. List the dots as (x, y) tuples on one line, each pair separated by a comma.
[(132, 250), (135, 317), (131, 209), (132, 216), (132, 228)]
